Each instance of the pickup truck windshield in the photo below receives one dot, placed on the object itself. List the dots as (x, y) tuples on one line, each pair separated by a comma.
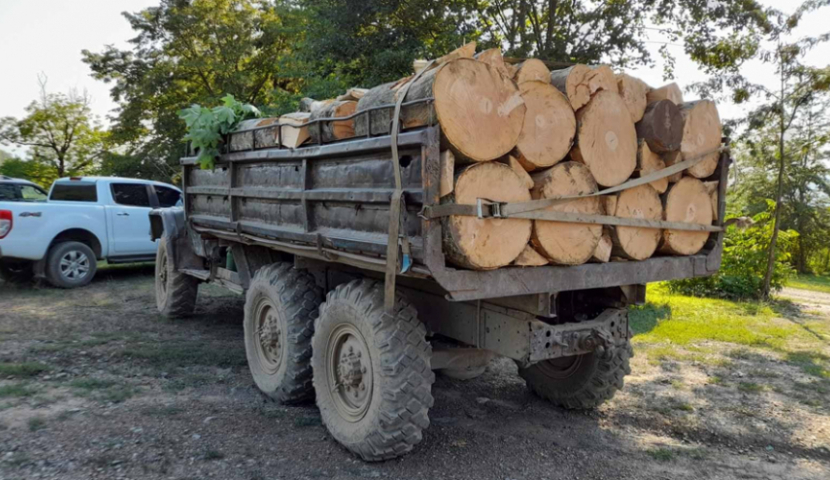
[(74, 192)]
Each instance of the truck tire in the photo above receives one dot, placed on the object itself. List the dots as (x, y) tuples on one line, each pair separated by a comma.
[(70, 265), (580, 382), (372, 371), (176, 292), (280, 308)]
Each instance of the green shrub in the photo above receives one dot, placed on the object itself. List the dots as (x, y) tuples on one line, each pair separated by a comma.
[(745, 262)]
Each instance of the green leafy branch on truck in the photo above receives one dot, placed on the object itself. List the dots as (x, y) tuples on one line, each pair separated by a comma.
[(207, 127)]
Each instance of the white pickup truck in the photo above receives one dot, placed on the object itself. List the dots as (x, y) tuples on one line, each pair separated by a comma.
[(85, 219)]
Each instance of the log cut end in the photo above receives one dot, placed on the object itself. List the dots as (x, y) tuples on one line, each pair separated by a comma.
[(520, 170), (480, 111), (567, 243), (634, 92), (607, 140), (702, 134), (688, 202), (293, 133), (494, 58), (549, 126), (532, 70), (636, 243), (485, 244), (649, 162), (602, 254), (667, 92), (530, 258)]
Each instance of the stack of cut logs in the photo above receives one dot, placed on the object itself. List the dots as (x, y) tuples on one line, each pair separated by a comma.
[(520, 132)]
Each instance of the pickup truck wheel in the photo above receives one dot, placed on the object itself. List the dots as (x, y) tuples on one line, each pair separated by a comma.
[(580, 382), (280, 308), (176, 292), (71, 265), (372, 371)]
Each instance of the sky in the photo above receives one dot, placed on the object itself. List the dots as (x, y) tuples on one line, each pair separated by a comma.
[(47, 36)]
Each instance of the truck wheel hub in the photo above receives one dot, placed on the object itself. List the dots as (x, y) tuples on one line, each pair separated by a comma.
[(350, 372), (270, 335), (74, 265)]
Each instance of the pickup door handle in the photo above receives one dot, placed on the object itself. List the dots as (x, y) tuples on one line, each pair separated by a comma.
[(30, 214), (123, 214)]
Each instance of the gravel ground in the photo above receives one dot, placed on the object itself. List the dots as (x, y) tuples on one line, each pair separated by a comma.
[(107, 389)]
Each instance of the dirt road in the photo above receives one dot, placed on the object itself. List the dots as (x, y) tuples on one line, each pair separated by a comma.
[(97, 385)]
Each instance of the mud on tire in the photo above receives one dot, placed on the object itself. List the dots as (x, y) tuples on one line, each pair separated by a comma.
[(582, 381), (176, 292), (280, 308), (377, 407)]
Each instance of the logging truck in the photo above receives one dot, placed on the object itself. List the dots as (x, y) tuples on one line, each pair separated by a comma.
[(430, 232)]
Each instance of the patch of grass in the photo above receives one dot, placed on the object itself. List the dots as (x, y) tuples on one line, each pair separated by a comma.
[(102, 390), (661, 454), (715, 380), (183, 353), (750, 387), (308, 421), (116, 394), (214, 455), (22, 370), (18, 459), (49, 347), (36, 423), (16, 390), (162, 410), (678, 385), (683, 407), (89, 384), (811, 363), (813, 283), (269, 413)]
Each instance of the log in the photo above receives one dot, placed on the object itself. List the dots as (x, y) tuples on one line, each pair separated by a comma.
[(634, 91), (480, 111), (635, 243), (332, 131), (580, 82), (609, 204), (712, 189), (661, 126), (566, 243), (530, 258), (353, 94), (294, 136), (520, 171), (531, 70), (468, 50), (687, 201), (308, 105), (485, 244), (244, 140), (606, 139), (670, 159), (666, 92), (702, 132), (549, 126), (649, 162), (447, 160), (602, 254), (494, 58)]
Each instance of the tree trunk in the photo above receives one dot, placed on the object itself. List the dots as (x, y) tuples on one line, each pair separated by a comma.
[(581, 82), (531, 70), (634, 92), (662, 127), (765, 292), (485, 244), (606, 139), (635, 243), (567, 243), (649, 162), (549, 126), (688, 202), (702, 132), (480, 111), (667, 92), (332, 131)]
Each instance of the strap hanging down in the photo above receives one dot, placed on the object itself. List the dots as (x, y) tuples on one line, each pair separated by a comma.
[(397, 207)]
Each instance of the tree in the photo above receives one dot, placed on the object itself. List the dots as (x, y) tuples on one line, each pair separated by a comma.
[(195, 51), (59, 131)]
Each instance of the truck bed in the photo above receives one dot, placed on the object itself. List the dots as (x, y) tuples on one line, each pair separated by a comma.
[(331, 202)]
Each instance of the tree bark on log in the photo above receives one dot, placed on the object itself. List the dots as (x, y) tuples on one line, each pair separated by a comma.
[(489, 243), (634, 92), (667, 92), (244, 140), (649, 162), (661, 126), (531, 70), (447, 183), (687, 201), (480, 111), (606, 139), (636, 243), (549, 126), (332, 131), (580, 82), (702, 132), (567, 243)]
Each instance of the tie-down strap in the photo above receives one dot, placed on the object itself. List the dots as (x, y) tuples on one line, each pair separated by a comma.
[(535, 209)]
